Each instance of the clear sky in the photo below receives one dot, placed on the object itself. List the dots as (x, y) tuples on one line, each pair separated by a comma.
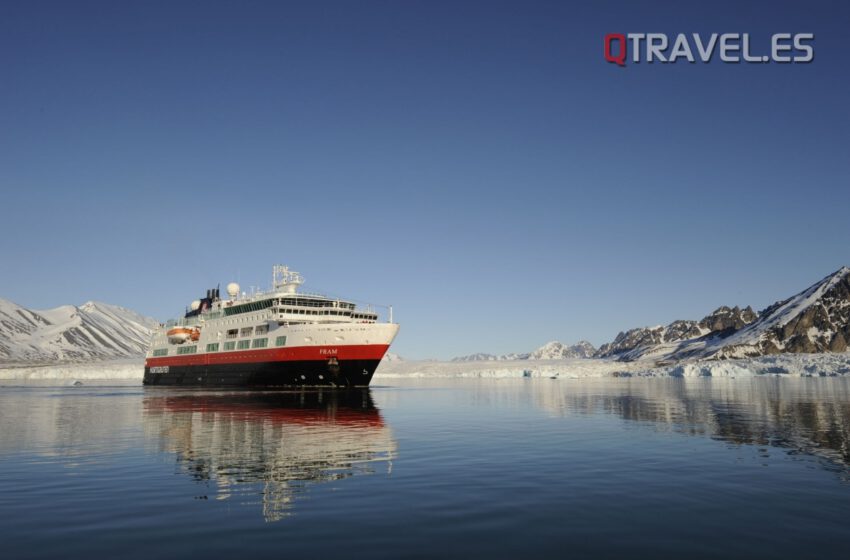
[(477, 165)]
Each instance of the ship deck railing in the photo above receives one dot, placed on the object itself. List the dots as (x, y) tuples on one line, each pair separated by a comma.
[(321, 302)]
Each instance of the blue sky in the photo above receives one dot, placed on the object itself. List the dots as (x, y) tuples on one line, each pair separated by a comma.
[(477, 165)]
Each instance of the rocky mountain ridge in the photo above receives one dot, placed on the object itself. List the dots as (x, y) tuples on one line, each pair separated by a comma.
[(814, 320), (721, 319)]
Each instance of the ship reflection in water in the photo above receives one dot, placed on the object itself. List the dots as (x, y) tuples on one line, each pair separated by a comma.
[(270, 444)]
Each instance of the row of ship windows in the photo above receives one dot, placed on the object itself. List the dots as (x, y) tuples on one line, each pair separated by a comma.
[(314, 312), (309, 302), (362, 316), (246, 307), (231, 345), (305, 302), (247, 331)]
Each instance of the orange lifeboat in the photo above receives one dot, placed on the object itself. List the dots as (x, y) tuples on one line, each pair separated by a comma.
[(179, 335)]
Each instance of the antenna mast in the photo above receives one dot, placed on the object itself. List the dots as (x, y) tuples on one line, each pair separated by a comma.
[(285, 280)]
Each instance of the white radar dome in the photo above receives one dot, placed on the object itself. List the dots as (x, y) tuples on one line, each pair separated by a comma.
[(196, 304), (233, 289)]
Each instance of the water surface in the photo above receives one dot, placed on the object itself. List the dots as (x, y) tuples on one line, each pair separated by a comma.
[(506, 468)]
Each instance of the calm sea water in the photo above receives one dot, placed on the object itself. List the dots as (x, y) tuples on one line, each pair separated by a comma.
[(539, 468)]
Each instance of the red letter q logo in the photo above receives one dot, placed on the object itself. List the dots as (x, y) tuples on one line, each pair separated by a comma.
[(620, 57)]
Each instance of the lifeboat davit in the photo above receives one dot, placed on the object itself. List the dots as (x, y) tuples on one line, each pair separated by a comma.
[(179, 335)]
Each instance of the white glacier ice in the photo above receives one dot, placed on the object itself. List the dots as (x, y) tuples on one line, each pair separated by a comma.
[(794, 365), (791, 365)]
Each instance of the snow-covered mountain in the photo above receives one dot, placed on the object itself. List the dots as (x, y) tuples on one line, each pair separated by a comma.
[(480, 357), (550, 351), (391, 357), (634, 343), (91, 331), (815, 320), (557, 351)]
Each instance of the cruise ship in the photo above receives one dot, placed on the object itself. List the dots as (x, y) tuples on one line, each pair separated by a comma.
[(278, 338)]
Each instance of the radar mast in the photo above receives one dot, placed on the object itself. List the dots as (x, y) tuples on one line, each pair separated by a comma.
[(285, 280)]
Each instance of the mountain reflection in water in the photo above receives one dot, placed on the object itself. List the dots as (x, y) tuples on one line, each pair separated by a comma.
[(270, 444), (803, 415)]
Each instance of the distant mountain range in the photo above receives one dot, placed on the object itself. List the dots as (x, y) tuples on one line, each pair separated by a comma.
[(815, 320), (550, 351), (92, 331)]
